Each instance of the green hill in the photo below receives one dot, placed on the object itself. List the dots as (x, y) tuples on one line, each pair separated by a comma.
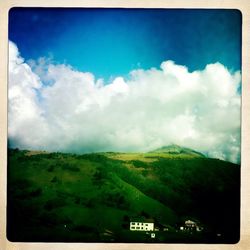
[(91, 197), (177, 150)]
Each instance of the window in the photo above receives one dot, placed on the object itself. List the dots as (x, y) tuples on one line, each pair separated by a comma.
[(137, 227), (146, 225), (132, 227), (133, 223)]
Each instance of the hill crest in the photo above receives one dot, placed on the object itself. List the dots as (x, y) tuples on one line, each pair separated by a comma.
[(176, 150)]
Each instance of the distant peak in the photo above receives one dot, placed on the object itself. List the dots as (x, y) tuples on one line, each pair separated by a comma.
[(176, 149)]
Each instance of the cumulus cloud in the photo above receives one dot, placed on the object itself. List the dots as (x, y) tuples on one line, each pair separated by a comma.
[(151, 108)]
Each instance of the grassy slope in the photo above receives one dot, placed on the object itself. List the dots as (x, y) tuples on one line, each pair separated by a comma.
[(64, 197)]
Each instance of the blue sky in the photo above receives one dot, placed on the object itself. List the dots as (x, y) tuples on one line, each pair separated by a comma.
[(112, 42), (85, 80)]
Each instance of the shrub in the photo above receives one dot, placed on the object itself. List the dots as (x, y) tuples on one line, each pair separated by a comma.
[(51, 168), (139, 164), (54, 203), (35, 193), (70, 168), (55, 179), (22, 183)]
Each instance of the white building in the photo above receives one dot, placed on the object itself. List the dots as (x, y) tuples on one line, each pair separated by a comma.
[(147, 225), (191, 226)]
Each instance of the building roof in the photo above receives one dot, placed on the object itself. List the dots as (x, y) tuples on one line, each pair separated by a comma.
[(145, 220), (190, 222)]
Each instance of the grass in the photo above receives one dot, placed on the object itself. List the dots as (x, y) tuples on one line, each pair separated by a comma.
[(65, 197)]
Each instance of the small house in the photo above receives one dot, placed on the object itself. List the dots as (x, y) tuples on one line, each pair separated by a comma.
[(142, 225), (191, 226)]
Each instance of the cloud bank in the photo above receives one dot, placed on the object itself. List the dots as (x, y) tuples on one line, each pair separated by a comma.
[(56, 108)]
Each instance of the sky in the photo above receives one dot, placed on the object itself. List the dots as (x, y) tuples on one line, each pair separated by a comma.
[(90, 80)]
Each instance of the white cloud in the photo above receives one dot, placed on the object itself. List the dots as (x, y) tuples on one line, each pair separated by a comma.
[(153, 108)]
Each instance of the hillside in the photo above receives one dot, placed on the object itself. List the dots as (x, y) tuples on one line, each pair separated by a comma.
[(178, 151), (91, 197)]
